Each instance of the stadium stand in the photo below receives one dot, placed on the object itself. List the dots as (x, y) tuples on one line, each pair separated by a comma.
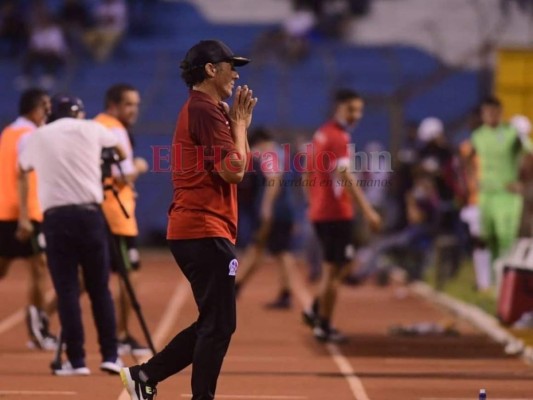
[(290, 98)]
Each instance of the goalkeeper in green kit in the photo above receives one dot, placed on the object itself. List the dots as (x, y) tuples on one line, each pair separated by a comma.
[(498, 148)]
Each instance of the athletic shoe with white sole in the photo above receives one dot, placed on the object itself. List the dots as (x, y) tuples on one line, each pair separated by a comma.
[(48, 343), (38, 329), (309, 318), (130, 346), (137, 389), (329, 334), (68, 370), (113, 367)]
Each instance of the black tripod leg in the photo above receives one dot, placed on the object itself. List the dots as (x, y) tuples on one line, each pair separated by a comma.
[(57, 362), (131, 293)]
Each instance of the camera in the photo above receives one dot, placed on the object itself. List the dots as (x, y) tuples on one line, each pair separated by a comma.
[(108, 158)]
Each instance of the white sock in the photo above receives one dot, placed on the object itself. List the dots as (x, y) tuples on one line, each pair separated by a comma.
[(482, 267)]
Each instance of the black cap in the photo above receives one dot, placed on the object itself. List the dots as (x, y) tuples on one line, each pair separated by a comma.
[(65, 106), (210, 51)]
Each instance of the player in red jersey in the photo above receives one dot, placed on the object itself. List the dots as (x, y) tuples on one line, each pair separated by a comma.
[(332, 190)]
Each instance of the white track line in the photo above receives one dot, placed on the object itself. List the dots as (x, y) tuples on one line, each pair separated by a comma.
[(36, 393), (260, 359), (167, 322), (464, 398), (356, 386), (251, 396), (18, 316)]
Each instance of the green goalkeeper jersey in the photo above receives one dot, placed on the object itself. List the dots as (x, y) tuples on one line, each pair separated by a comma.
[(498, 150)]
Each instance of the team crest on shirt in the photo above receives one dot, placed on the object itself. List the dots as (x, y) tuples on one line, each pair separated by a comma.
[(233, 266)]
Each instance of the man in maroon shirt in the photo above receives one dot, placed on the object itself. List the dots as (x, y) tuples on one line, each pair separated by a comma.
[(210, 150), (331, 207)]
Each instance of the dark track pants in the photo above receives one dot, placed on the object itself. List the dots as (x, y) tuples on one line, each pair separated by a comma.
[(210, 265), (76, 235)]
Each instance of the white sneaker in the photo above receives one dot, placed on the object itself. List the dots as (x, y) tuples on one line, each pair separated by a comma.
[(130, 346), (112, 367), (37, 324), (48, 343), (68, 370), (33, 323)]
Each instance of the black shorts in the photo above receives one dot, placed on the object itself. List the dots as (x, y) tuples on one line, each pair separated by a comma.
[(279, 238), (123, 250), (10, 247), (336, 240)]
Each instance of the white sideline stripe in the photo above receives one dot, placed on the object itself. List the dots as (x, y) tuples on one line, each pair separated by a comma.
[(36, 393), (356, 386), (464, 398), (167, 322), (18, 316), (251, 396)]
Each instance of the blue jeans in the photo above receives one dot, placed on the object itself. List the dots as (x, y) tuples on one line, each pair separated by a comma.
[(77, 235), (407, 239)]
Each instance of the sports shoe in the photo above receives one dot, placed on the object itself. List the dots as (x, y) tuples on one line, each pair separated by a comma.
[(328, 334), (38, 328), (49, 343), (113, 367), (282, 302), (130, 346), (68, 370), (309, 318), (137, 389), (33, 323)]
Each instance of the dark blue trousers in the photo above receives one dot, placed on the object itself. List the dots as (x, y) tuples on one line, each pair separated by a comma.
[(77, 236)]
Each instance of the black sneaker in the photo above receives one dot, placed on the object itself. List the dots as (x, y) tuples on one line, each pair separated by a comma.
[(353, 280), (131, 346), (325, 333), (283, 302), (137, 389), (309, 318)]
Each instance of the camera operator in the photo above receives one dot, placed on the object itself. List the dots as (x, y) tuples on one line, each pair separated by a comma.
[(121, 111), (66, 156)]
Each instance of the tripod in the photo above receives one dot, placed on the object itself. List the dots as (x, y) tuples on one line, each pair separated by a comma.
[(107, 162), (121, 268)]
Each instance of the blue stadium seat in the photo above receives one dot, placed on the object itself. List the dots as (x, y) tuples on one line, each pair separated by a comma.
[(290, 98)]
